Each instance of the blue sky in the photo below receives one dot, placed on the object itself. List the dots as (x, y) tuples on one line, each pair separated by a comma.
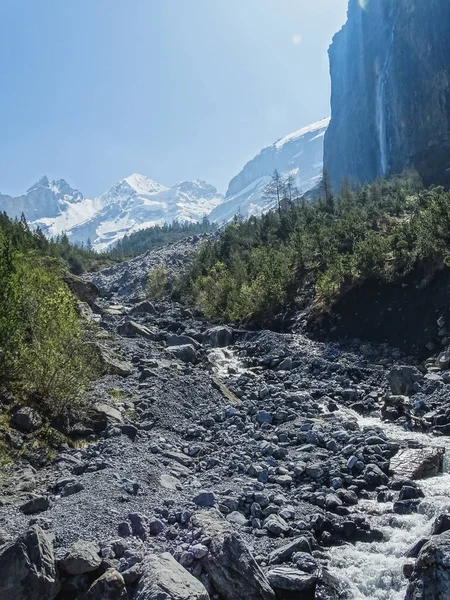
[(94, 90)]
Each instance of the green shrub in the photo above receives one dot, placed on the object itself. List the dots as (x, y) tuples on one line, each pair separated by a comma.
[(156, 283)]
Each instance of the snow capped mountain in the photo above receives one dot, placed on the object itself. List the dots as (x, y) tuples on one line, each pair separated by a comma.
[(300, 154), (132, 203), (137, 202)]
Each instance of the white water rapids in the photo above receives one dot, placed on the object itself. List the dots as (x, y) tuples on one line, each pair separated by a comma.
[(373, 571)]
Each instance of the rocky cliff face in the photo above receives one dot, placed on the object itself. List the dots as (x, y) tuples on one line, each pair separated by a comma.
[(390, 98)]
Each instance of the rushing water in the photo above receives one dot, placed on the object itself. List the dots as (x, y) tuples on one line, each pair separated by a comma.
[(374, 571)]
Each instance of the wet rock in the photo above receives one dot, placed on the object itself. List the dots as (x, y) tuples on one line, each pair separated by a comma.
[(27, 419), (441, 524), (402, 379), (293, 580), (218, 337), (164, 578), (28, 569), (430, 579), (82, 557), (185, 353), (417, 463), (230, 565), (110, 586), (374, 476)]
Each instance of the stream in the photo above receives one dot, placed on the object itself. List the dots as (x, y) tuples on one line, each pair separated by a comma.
[(375, 571)]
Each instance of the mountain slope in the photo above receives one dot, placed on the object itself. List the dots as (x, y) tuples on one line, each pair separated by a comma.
[(300, 153)]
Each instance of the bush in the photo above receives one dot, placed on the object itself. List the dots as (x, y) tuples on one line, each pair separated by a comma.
[(156, 283), (43, 352)]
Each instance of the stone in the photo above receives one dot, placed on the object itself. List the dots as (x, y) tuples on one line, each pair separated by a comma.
[(35, 504), (205, 499), (111, 363), (417, 463), (293, 580), (276, 525), (132, 329), (430, 579), (284, 553), (218, 337), (138, 525), (110, 586), (155, 526), (237, 518), (143, 308), (85, 291), (262, 416), (230, 566), (374, 476), (441, 524), (186, 353), (402, 379), (182, 340), (82, 557), (165, 579), (100, 415), (28, 568), (27, 419)]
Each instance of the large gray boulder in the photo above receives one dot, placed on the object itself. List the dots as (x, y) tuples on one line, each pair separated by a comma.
[(165, 579), (230, 566), (186, 353), (402, 379), (417, 463), (82, 557), (218, 337), (292, 580), (132, 329), (430, 579), (28, 569), (111, 363)]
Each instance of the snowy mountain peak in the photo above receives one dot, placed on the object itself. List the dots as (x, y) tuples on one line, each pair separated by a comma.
[(318, 128), (143, 185)]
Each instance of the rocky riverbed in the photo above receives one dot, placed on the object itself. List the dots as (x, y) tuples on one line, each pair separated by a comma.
[(221, 463)]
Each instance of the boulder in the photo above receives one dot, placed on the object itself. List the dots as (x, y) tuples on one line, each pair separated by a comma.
[(218, 337), (205, 499), (186, 353), (430, 579), (402, 379), (182, 340), (292, 580), (417, 463), (276, 525), (284, 553), (132, 329), (443, 360), (111, 363), (230, 565), (27, 419), (143, 308), (441, 524), (100, 415), (110, 586), (164, 578), (35, 504), (82, 557), (28, 569), (85, 291)]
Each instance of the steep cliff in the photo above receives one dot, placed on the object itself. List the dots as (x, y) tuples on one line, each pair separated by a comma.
[(390, 100)]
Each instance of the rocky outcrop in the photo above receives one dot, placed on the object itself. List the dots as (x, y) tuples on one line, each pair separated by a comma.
[(229, 564), (27, 568), (390, 100), (417, 463), (430, 579)]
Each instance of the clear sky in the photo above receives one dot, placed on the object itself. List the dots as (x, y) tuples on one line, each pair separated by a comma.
[(94, 90)]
